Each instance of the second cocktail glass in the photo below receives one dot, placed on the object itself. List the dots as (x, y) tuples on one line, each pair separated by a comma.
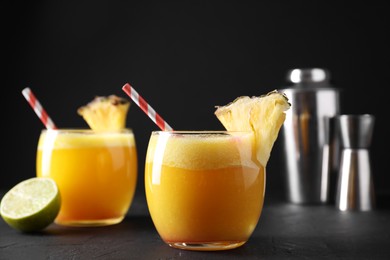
[(96, 173), (204, 189)]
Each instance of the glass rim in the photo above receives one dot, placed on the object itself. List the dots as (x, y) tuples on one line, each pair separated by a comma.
[(200, 132), (86, 130)]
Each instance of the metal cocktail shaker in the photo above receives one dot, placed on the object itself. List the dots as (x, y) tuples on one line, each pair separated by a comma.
[(306, 135)]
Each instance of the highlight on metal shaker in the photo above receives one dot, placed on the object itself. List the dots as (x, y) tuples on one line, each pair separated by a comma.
[(313, 99), (330, 160), (355, 188)]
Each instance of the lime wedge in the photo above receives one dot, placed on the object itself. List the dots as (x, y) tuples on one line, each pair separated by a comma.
[(31, 205)]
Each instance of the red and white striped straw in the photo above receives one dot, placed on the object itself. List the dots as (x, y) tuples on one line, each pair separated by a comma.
[(39, 110), (156, 118)]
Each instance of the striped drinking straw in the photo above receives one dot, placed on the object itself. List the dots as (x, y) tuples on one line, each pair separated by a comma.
[(38, 109), (156, 118)]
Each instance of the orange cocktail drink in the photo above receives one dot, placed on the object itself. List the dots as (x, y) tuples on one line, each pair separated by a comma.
[(96, 173), (205, 190)]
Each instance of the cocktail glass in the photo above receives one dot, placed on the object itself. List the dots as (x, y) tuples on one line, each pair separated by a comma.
[(96, 173), (204, 189)]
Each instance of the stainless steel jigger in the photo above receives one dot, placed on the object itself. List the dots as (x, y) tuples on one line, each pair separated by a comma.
[(355, 189)]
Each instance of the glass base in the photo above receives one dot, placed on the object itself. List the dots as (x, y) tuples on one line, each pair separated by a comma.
[(207, 246), (89, 223)]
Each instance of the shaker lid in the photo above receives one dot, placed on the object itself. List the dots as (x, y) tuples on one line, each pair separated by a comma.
[(308, 75)]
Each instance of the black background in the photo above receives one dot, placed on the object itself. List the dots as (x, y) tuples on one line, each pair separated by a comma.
[(185, 57)]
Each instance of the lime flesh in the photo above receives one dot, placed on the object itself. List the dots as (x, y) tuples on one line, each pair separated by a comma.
[(31, 205)]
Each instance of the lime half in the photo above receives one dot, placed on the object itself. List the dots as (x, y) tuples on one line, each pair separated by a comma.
[(31, 205)]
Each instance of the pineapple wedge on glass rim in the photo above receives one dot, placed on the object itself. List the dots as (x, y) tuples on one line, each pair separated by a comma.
[(105, 113), (264, 115)]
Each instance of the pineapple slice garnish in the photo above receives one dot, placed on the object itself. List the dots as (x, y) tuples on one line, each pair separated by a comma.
[(264, 115), (105, 113)]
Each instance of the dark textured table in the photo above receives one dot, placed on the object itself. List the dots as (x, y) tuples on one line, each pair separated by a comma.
[(285, 231)]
